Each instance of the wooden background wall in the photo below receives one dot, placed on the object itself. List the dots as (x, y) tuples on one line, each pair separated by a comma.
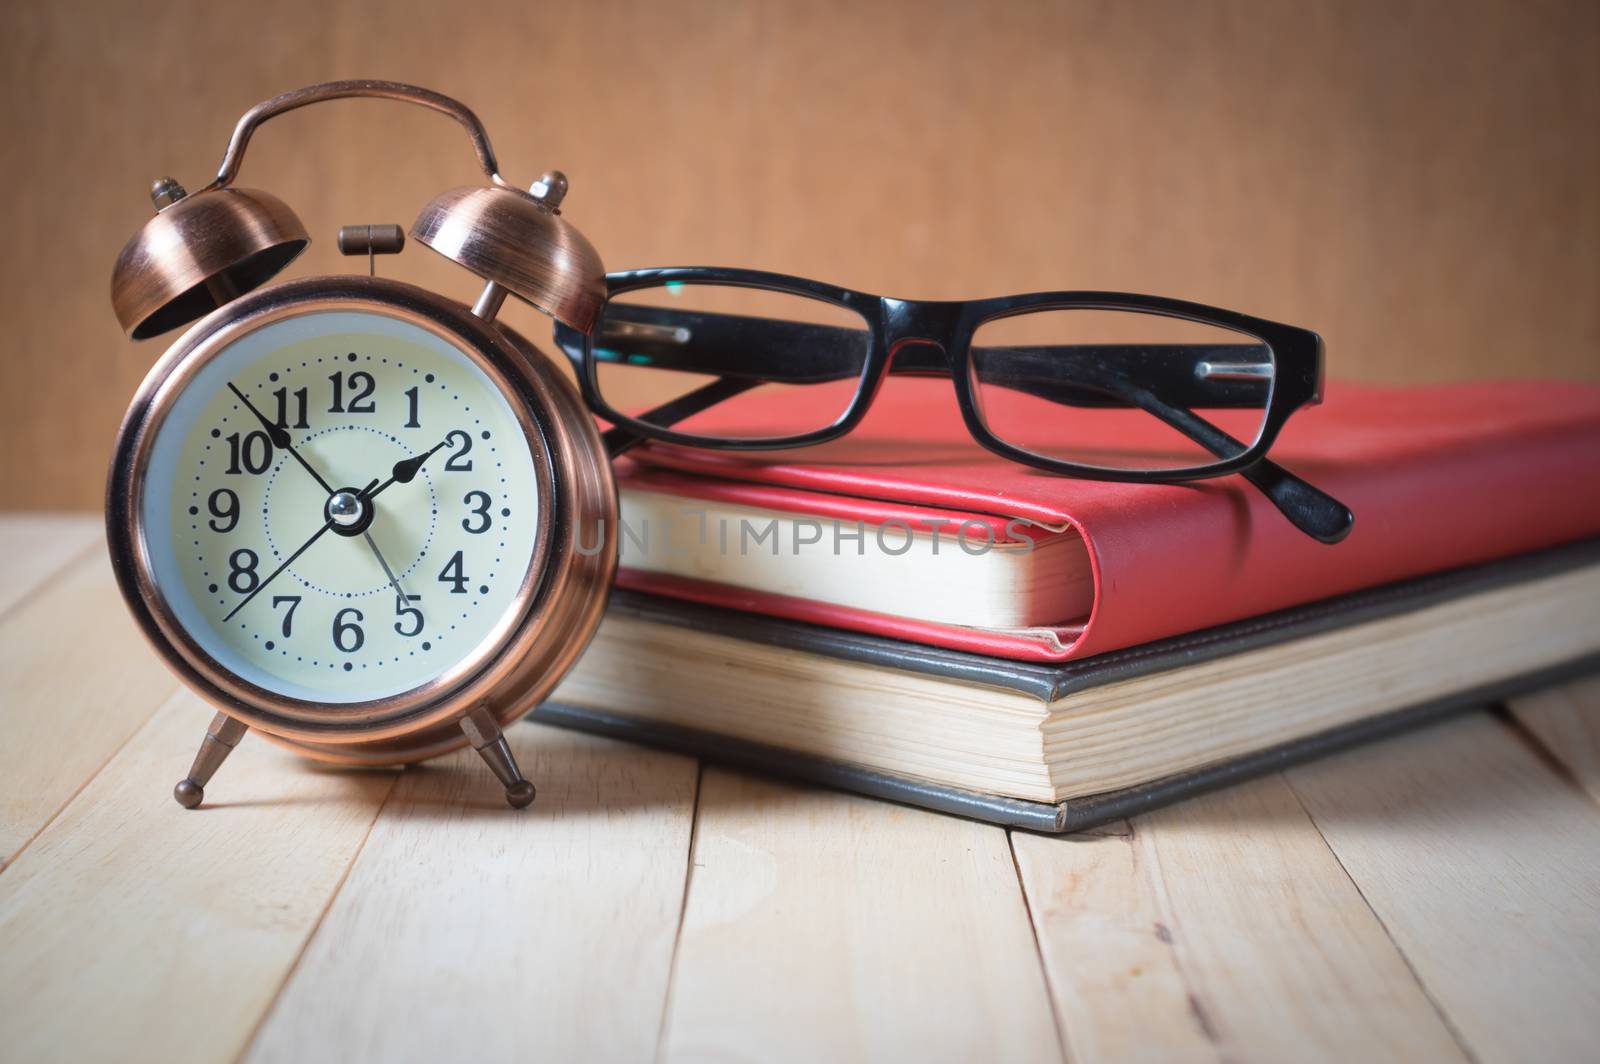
[(1418, 181)]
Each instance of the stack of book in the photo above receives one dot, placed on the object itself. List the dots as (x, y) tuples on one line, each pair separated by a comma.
[(903, 614)]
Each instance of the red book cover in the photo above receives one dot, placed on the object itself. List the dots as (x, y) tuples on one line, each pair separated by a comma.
[(1438, 477)]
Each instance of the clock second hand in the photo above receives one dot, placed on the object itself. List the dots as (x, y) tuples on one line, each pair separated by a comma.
[(401, 597), (318, 534)]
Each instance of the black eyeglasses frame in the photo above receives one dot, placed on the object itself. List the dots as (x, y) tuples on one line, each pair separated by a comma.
[(896, 326)]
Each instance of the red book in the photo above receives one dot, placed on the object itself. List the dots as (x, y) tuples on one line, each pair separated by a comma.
[(1438, 477)]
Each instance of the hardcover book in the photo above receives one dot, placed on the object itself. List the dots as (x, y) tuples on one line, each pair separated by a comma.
[(906, 528), (1062, 746)]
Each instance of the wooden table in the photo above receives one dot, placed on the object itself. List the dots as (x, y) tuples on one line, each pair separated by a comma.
[(1436, 897)]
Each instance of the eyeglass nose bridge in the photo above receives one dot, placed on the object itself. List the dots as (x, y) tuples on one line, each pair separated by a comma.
[(918, 356), (919, 336)]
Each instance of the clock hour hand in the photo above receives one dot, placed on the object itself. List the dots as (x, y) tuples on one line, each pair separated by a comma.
[(318, 534), (405, 470), (280, 438)]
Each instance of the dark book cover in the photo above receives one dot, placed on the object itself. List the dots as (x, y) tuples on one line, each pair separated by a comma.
[(1049, 682)]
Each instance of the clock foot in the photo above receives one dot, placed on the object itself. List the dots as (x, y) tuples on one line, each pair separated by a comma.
[(484, 733), (221, 737)]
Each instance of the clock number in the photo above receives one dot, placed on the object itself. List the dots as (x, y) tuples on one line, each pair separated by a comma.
[(253, 453), (411, 418), (300, 397), (242, 575), (403, 610), (480, 510), (453, 575), (361, 386), (458, 462), (224, 506), (343, 629), (288, 617)]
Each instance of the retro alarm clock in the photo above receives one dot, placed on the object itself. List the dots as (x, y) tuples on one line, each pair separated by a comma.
[(360, 518)]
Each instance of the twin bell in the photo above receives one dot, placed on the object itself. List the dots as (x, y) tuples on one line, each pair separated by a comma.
[(203, 250)]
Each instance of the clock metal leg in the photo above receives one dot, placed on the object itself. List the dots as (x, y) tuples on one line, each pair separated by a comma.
[(484, 733), (221, 737)]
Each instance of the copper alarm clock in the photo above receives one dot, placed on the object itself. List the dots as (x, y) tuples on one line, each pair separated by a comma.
[(358, 517)]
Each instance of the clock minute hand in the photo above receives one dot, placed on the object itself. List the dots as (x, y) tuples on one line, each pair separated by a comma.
[(280, 438), (286, 563)]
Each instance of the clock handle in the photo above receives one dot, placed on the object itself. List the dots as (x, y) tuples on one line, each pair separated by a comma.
[(221, 737), (338, 90), (486, 737)]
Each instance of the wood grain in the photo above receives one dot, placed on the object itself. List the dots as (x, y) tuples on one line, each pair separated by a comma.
[(76, 681), (1405, 901), (1566, 722), (820, 926), (136, 930), (1433, 219), (1484, 866), (470, 931), (34, 548), (1220, 929)]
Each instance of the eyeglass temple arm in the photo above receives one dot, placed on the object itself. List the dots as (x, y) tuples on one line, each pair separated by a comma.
[(620, 439), (1310, 509)]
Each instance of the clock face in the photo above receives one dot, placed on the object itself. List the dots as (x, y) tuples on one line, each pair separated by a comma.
[(341, 506)]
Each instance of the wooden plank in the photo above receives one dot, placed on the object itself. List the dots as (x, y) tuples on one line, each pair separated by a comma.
[(1566, 722), (469, 931), (76, 680), (35, 547), (138, 930), (1220, 929), (1484, 866), (821, 926)]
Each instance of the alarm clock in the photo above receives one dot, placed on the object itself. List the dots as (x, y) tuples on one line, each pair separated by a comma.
[(362, 519)]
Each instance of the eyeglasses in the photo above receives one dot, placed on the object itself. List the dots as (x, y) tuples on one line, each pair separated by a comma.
[(1093, 385)]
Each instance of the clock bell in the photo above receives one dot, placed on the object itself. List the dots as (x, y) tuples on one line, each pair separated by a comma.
[(205, 249)]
